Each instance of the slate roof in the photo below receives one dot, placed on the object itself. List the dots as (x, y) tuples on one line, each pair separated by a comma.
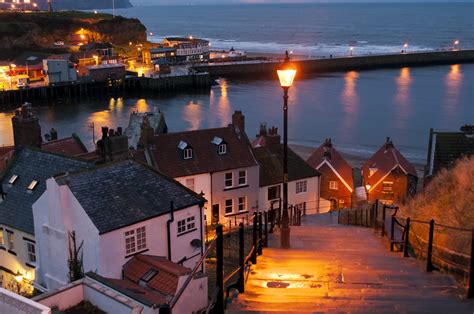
[(384, 161), (32, 57), (168, 157), (123, 193), (166, 279), (31, 164), (327, 152), (270, 159), (447, 147)]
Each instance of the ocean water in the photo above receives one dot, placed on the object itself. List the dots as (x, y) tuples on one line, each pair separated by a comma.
[(356, 109), (315, 29)]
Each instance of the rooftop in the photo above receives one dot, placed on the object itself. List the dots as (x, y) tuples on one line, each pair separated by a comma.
[(30, 165), (123, 193)]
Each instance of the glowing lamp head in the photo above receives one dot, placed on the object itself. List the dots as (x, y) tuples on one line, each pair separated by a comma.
[(367, 187), (405, 45), (190, 37), (35, 5), (286, 72), (13, 65), (18, 277), (456, 42)]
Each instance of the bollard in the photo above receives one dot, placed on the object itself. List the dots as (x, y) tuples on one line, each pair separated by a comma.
[(470, 290), (429, 256), (260, 231), (265, 243), (254, 240), (241, 281), (219, 306), (407, 238)]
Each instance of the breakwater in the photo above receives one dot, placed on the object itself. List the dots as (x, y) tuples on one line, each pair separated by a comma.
[(308, 66), (76, 91)]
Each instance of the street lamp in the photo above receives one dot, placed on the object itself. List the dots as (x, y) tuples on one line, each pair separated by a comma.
[(456, 44), (405, 45), (367, 187), (351, 49), (286, 74)]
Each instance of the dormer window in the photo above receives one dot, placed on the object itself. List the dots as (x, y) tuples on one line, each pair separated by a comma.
[(188, 153), (13, 179), (222, 149), (32, 185), (187, 150)]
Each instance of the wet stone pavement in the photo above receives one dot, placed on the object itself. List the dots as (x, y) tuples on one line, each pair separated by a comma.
[(338, 268)]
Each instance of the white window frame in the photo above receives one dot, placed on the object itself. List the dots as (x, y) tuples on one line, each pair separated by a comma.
[(181, 226), (244, 177), (136, 240), (231, 206), (227, 180), (31, 254), (333, 185), (186, 224), (188, 153), (2, 238), (10, 240), (242, 203), (190, 223), (301, 187), (222, 149)]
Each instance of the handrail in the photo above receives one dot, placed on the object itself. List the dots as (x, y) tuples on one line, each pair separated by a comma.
[(190, 277)]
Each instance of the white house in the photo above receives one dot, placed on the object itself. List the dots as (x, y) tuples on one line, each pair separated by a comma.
[(217, 162), (58, 71), (22, 183), (117, 211), (303, 180)]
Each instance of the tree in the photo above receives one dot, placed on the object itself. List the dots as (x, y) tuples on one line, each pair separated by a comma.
[(76, 268)]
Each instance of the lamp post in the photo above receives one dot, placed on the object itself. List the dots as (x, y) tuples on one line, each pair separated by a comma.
[(367, 187), (286, 74), (456, 44)]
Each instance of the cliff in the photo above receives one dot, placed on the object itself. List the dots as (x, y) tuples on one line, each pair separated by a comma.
[(39, 31)]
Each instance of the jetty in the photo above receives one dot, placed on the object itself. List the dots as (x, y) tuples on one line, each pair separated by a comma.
[(266, 68)]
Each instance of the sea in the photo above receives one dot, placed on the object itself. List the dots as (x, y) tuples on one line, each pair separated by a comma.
[(357, 109)]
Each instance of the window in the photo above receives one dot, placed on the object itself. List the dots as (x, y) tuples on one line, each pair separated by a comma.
[(334, 185), (10, 240), (228, 180), (32, 185), (228, 206), (274, 192), (135, 240), (190, 183), (31, 250), (186, 224), (341, 203), (242, 177), (2, 240), (222, 149), (181, 226), (188, 153), (301, 186), (13, 179), (242, 203), (387, 186)]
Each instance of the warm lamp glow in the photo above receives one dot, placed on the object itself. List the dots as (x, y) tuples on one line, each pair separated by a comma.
[(18, 277), (13, 65), (456, 42), (367, 187), (286, 73), (405, 45)]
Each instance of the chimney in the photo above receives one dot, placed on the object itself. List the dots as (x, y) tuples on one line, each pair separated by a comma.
[(113, 145), (54, 134), (263, 129), (238, 121), (273, 139), (26, 127), (147, 133)]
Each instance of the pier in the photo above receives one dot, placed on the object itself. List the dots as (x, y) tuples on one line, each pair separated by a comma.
[(81, 90), (337, 64)]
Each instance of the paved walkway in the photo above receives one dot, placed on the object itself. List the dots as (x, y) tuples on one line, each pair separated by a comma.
[(336, 268)]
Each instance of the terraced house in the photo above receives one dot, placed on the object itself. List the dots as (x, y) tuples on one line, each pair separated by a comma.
[(219, 163)]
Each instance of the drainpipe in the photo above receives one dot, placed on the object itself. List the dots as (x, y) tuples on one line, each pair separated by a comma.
[(168, 229), (202, 240)]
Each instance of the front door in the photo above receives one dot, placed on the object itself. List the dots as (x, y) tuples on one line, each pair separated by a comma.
[(215, 214)]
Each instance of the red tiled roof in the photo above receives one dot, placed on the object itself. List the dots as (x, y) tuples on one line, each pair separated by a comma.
[(148, 294), (167, 277), (69, 146), (205, 158), (329, 154), (384, 161)]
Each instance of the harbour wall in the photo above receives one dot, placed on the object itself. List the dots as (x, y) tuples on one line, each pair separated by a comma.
[(308, 66), (77, 91)]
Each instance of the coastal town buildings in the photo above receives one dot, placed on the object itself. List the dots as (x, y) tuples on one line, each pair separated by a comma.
[(188, 49), (58, 70), (337, 183), (21, 184), (303, 180), (219, 163), (388, 176), (115, 212), (445, 148)]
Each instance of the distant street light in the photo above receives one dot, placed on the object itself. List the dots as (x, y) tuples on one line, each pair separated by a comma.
[(286, 74), (351, 49), (367, 187), (456, 44), (405, 46)]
